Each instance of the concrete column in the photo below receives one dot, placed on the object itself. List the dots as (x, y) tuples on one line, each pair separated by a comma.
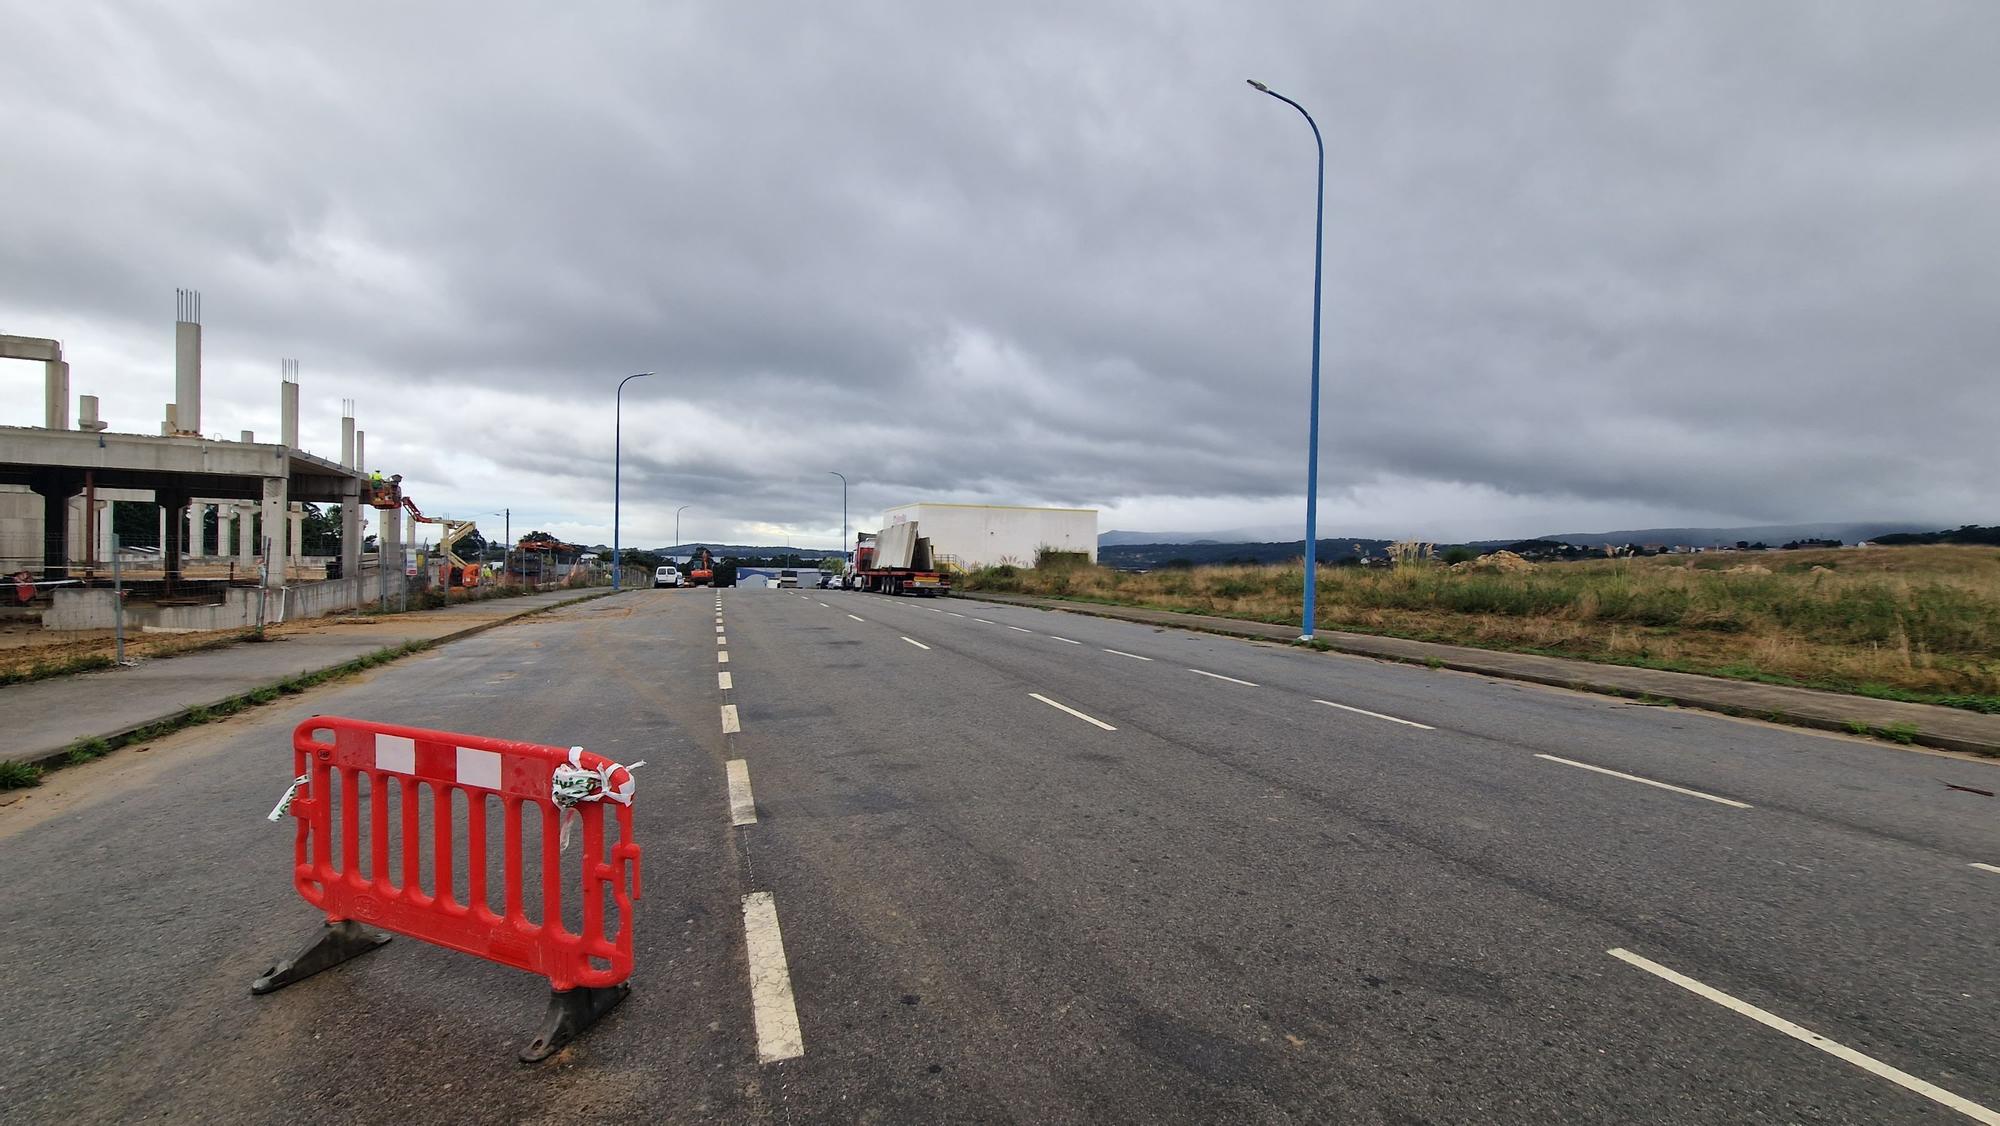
[(273, 509), (76, 530), (187, 377), (347, 441), (161, 543), (104, 531), (350, 529), (56, 405), (288, 415), (295, 535), (246, 544), (361, 451), (247, 437), (174, 510)]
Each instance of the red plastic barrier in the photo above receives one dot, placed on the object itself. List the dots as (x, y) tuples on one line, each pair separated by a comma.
[(329, 875)]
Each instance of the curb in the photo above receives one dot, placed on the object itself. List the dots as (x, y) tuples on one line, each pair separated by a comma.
[(1685, 699), (124, 736)]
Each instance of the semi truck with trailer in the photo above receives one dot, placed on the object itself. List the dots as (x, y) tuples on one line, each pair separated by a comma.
[(897, 560)]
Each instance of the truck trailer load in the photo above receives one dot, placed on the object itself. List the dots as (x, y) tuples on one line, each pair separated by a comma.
[(896, 561)]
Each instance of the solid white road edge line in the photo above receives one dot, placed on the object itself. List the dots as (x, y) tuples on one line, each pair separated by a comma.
[(742, 806), (1985, 867), (1219, 676), (1648, 782), (778, 1036), (914, 642), (1869, 1064), (1377, 715), (723, 682), (1122, 653), (858, 619), (722, 658), (1072, 711), (730, 725)]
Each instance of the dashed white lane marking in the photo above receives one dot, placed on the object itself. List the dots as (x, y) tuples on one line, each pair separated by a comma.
[(742, 806), (982, 621), (857, 618), (1023, 630), (1648, 782), (778, 1036), (721, 640), (825, 606), (954, 613), (1375, 715), (730, 725), (723, 682), (1839, 1051), (1121, 653), (934, 609), (1219, 676), (914, 642), (718, 629), (1986, 867), (1072, 711), (722, 658), (1064, 640)]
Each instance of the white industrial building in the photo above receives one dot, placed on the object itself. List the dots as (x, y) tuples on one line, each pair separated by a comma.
[(982, 535)]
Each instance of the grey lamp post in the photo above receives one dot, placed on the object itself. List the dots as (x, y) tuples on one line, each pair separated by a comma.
[(677, 524), (845, 548), (617, 467), (1312, 447)]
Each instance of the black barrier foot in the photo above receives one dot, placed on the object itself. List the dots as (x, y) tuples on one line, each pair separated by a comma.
[(336, 944), (570, 1012)]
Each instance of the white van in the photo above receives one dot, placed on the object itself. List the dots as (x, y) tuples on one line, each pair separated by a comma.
[(668, 575), (788, 579)]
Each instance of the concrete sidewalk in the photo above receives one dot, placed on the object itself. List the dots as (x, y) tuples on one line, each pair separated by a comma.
[(43, 718), (1952, 729)]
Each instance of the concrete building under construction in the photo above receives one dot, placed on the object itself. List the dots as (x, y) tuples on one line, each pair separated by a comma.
[(229, 513)]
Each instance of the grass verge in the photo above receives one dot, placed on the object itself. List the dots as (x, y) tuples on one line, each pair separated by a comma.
[(1918, 625)]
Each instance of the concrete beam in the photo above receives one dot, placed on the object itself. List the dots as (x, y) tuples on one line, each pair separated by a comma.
[(30, 348)]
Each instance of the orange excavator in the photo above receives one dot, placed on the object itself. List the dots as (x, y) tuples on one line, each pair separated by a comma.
[(701, 568)]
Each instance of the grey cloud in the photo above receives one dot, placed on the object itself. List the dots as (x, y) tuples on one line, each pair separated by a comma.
[(1721, 258)]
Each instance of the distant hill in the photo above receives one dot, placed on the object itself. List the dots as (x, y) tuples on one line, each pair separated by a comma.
[(720, 549), (1773, 534), (1970, 534), (1122, 539), (1204, 554)]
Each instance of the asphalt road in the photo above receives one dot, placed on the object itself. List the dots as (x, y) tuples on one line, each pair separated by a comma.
[(1034, 866)]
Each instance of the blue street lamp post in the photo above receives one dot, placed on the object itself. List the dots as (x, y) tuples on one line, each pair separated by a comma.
[(1312, 446), (617, 467), (845, 547)]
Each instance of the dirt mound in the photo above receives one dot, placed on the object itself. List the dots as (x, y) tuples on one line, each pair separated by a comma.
[(1505, 561)]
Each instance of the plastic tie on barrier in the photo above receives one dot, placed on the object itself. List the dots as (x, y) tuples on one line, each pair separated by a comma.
[(574, 782)]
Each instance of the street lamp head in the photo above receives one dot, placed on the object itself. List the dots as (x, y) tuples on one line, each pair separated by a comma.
[(1258, 85)]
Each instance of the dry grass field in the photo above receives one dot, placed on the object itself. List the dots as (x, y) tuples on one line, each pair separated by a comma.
[(1913, 623)]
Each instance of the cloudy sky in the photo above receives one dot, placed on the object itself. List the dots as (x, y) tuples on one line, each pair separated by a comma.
[(1588, 264)]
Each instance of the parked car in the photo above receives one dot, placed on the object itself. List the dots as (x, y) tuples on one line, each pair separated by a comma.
[(668, 575), (829, 581)]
